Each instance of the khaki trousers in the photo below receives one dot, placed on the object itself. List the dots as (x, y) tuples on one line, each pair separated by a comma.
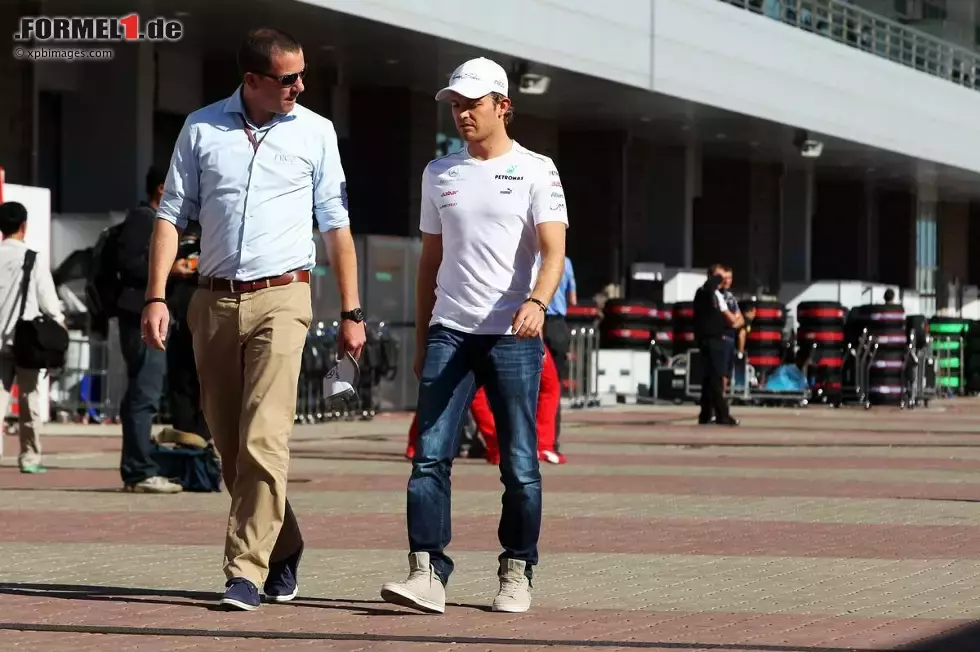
[(28, 405), (248, 349)]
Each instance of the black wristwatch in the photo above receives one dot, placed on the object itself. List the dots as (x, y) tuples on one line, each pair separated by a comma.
[(356, 315)]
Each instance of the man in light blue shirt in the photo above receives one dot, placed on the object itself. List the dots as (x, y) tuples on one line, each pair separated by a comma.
[(258, 172)]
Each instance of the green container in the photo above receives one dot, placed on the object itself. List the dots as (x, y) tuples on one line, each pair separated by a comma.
[(951, 382), (949, 363), (949, 327), (946, 345)]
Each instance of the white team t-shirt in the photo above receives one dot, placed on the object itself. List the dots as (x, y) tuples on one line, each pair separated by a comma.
[(487, 213)]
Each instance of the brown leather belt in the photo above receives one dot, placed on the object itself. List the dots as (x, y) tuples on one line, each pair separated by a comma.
[(238, 287)]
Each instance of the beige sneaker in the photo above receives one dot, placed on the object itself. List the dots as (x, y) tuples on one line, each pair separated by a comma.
[(422, 590), (155, 485), (514, 595)]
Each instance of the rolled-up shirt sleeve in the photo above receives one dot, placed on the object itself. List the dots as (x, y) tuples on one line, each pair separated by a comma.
[(181, 191), (329, 184)]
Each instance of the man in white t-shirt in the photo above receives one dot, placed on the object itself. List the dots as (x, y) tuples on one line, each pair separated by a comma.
[(487, 211)]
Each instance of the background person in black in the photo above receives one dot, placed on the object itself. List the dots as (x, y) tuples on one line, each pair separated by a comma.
[(711, 318), (146, 367), (184, 390)]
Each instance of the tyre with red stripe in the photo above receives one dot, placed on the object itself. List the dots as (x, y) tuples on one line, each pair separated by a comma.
[(625, 335), (631, 324), (682, 324), (812, 313), (582, 315), (768, 313), (764, 358)]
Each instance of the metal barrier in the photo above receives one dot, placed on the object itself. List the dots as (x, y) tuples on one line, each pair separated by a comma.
[(583, 366), (83, 390), (867, 31)]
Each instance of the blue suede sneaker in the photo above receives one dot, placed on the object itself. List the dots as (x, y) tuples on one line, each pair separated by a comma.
[(282, 584), (241, 594)]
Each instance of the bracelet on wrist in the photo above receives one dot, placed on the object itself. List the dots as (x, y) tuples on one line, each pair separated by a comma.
[(154, 300), (543, 307)]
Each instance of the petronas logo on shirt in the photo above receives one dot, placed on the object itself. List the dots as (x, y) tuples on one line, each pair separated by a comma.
[(512, 169)]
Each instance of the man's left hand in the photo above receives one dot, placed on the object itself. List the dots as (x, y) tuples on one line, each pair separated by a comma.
[(529, 320), (352, 337)]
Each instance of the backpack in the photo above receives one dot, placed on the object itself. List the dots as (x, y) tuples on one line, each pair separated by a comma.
[(104, 284)]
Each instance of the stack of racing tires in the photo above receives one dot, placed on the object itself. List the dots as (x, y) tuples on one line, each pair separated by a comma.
[(630, 324), (765, 347), (821, 332), (683, 327), (887, 379)]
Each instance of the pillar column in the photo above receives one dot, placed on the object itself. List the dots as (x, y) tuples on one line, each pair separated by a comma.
[(674, 181), (926, 243), (796, 223), (591, 168)]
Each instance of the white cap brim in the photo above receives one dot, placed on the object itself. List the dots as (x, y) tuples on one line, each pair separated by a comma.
[(468, 88)]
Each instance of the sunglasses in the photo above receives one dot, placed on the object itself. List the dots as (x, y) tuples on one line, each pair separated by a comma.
[(285, 80)]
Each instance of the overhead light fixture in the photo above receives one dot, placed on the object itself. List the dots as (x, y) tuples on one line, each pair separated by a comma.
[(644, 118), (808, 147), (182, 14), (391, 62), (531, 84)]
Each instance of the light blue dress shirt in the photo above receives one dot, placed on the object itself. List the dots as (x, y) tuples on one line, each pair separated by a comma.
[(559, 303), (256, 208)]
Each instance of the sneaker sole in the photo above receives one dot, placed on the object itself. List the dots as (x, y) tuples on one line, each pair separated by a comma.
[(401, 597), (237, 604), (518, 609), (283, 598)]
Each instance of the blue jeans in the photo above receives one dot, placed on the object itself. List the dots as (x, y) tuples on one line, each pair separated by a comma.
[(456, 364), (146, 369)]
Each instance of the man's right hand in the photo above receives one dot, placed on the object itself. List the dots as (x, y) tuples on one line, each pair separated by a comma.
[(419, 360), (155, 324)]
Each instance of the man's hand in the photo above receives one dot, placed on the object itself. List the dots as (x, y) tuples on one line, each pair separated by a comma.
[(528, 320), (352, 337), (419, 361), (155, 324)]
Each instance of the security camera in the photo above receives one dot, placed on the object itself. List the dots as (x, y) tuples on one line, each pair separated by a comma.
[(808, 147), (532, 84)]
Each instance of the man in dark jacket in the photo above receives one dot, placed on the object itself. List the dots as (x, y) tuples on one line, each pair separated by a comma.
[(146, 367), (184, 389), (711, 318)]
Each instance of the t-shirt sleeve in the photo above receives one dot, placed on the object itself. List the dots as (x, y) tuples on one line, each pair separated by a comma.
[(548, 196), (429, 221), (720, 298)]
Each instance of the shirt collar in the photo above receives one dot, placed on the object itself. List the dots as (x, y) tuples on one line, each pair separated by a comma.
[(234, 104), (13, 242)]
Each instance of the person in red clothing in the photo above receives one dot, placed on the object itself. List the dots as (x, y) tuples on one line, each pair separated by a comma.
[(549, 395)]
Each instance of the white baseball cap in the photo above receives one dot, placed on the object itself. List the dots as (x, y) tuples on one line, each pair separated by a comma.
[(476, 78)]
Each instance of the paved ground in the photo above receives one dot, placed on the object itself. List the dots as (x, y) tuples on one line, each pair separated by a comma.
[(811, 530)]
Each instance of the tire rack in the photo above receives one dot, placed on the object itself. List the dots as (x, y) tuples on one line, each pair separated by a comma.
[(583, 364)]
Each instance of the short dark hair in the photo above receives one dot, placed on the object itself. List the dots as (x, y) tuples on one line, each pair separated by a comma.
[(255, 52), (154, 177), (889, 295), (12, 217), (509, 116), (715, 269)]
